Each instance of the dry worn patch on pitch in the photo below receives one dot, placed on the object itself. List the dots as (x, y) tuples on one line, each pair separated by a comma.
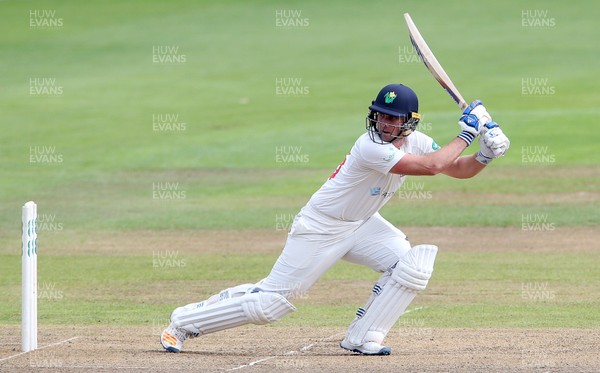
[(303, 349)]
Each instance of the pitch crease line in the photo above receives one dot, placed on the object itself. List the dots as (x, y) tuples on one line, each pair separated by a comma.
[(304, 348), (252, 363), (40, 348), (413, 310)]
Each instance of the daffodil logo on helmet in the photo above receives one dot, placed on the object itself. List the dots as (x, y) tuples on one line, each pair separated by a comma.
[(390, 97)]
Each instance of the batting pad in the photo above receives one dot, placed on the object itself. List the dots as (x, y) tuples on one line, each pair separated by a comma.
[(410, 276), (257, 308)]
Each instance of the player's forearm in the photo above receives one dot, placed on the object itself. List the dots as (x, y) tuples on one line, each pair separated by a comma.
[(464, 167), (441, 159), (431, 163)]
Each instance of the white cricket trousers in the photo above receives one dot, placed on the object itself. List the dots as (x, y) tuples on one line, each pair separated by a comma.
[(317, 242)]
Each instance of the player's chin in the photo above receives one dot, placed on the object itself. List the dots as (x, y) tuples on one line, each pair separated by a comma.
[(387, 137)]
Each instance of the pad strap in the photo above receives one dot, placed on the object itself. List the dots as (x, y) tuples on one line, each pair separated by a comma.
[(257, 308), (410, 276)]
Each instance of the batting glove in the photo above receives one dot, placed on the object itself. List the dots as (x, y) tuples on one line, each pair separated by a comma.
[(493, 143), (474, 117)]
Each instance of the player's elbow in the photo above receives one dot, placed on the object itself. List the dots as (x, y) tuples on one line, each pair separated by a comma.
[(466, 174), (461, 176), (433, 168)]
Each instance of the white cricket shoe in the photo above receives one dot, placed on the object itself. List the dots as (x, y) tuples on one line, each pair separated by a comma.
[(172, 338), (369, 348)]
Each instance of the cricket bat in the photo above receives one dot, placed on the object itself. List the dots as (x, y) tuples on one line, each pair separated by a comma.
[(432, 63)]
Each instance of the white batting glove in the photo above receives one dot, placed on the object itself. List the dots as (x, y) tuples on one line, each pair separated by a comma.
[(493, 143), (474, 117)]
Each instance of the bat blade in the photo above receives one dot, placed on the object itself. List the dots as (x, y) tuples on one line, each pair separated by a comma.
[(432, 63)]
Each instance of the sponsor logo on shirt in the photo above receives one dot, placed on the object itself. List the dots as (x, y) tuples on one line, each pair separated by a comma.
[(391, 155), (376, 191)]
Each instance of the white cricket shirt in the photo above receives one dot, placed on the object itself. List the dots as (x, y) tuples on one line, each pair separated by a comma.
[(362, 184)]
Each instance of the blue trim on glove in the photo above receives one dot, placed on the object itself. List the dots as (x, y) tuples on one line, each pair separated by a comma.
[(470, 120), (472, 106), (491, 125), (481, 158)]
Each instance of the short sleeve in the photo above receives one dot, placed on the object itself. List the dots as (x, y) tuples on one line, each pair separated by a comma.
[(380, 157), (421, 144)]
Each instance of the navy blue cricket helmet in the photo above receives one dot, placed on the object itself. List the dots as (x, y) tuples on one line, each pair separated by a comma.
[(397, 100)]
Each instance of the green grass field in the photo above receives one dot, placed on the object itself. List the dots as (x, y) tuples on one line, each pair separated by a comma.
[(177, 116)]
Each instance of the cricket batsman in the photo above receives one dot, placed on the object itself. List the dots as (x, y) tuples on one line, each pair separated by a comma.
[(342, 221)]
